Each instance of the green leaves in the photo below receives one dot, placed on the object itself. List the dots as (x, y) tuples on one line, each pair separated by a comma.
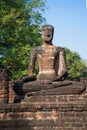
[(16, 60), (76, 67), (17, 18)]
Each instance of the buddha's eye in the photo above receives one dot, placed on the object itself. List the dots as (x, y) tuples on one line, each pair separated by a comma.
[(50, 29), (43, 29), (47, 30)]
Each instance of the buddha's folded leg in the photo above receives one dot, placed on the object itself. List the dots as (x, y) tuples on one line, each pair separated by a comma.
[(59, 88)]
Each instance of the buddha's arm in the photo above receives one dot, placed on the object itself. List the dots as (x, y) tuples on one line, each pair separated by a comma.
[(62, 71), (32, 62)]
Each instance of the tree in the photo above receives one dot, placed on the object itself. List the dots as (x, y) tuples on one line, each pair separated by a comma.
[(75, 65), (19, 30), (20, 21)]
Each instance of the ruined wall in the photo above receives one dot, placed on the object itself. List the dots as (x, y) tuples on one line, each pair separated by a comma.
[(4, 86), (54, 112), (49, 112)]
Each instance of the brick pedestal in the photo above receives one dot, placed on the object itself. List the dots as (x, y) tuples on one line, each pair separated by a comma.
[(53, 112)]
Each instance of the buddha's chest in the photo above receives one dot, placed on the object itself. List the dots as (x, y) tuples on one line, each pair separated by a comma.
[(48, 54)]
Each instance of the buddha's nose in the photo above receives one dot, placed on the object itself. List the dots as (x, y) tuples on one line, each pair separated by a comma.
[(47, 33)]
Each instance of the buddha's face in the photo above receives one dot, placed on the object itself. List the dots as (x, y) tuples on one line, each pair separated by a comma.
[(47, 34)]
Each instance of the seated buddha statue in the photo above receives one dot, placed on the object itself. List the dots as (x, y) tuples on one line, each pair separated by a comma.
[(52, 67), (51, 59)]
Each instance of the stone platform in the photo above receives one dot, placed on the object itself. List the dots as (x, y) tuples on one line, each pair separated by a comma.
[(49, 112), (60, 109)]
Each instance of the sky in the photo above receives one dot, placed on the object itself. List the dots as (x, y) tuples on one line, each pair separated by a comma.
[(69, 18)]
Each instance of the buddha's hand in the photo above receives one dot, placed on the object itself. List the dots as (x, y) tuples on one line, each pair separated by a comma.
[(25, 79), (29, 78), (45, 82), (62, 76), (57, 79)]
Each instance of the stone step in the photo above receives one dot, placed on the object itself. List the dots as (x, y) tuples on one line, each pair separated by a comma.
[(29, 124)]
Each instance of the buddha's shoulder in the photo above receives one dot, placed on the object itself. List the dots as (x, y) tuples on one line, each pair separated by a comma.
[(41, 48), (58, 48), (36, 49)]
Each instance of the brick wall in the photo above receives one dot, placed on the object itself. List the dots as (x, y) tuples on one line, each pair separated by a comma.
[(49, 112), (4, 86), (53, 112)]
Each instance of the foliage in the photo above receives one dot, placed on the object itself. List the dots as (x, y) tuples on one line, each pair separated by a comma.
[(20, 22), (16, 60), (75, 65)]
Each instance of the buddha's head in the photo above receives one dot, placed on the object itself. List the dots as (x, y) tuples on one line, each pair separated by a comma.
[(47, 33)]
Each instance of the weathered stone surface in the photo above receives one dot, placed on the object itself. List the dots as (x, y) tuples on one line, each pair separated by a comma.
[(50, 112), (4, 86), (51, 59), (46, 115), (50, 88), (56, 88)]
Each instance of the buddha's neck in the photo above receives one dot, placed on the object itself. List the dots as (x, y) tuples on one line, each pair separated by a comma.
[(47, 44)]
